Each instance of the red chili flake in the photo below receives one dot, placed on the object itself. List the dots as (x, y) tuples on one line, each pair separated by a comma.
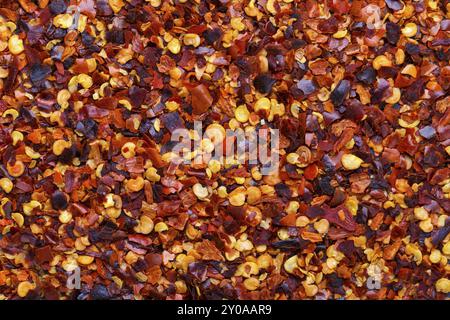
[(92, 92), (201, 99), (43, 255)]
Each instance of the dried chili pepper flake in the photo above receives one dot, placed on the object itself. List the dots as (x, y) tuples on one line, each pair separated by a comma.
[(264, 83), (92, 92), (427, 132), (395, 5), (368, 75), (172, 121), (44, 254), (57, 6), (392, 32), (59, 200), (339, 94), (201, 99), (306, 87), (38, 73)]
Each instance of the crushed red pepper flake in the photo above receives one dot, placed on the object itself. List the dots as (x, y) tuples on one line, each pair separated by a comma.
[(91, 92)]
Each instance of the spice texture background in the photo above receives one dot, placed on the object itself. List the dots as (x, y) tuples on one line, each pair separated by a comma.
[(91, 92)]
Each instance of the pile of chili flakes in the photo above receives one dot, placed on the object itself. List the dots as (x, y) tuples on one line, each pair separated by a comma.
[(92, 90)]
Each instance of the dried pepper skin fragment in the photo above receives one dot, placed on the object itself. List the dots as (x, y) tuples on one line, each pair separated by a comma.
[(92, 93), (201, 99), (264, 83), (394, 5), (368, 75), (57, 6), (304, 88), (59, 200), (340, 92), (38, 73), (44, 254), (392, 33)]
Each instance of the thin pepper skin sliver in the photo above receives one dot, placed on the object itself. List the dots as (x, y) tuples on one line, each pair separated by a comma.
[(91, 93)]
